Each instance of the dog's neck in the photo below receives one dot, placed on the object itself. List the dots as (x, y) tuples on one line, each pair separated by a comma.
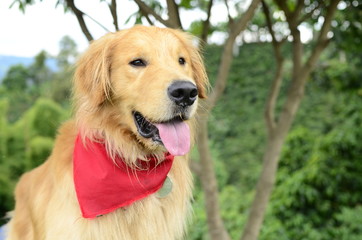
[(104, 184)]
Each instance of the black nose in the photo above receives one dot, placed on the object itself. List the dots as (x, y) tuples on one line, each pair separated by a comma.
[(183, 93)]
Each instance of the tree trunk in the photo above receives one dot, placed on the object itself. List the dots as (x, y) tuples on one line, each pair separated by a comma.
[(207, 176), (264, 188), (268, 175), (208, 180), (277, 132)]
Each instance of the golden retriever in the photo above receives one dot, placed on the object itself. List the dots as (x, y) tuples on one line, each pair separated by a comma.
[(135, 93)]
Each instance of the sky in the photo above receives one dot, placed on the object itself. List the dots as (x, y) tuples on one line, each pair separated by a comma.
[(43, 25)]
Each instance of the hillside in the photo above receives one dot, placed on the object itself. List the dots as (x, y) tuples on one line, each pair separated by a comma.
[(7, 61)]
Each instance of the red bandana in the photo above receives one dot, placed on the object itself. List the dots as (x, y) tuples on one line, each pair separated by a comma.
[(102, 186)]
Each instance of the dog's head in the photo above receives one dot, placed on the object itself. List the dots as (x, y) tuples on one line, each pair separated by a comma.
[(144, 83)]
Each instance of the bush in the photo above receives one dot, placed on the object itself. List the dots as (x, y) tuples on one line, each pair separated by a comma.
[(313, 199), (40, 149), (25, 144)]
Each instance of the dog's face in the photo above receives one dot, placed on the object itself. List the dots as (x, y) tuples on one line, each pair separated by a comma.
[(151, 78)]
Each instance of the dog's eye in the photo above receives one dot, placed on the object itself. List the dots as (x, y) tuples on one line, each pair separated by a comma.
[(138, 63), (182, 61)]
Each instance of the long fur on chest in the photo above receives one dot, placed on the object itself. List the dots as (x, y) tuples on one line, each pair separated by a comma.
[(47, 207)]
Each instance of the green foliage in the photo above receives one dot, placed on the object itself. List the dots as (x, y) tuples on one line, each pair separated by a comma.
[(16, 78), (22, 4), (198, 227), (236, 124), (68, 52), (348, 27), (23, 85), (61, 84), (6, 196), (196, 28), (40, 149), (342, 73), (25, 144), (20, 78), (350, 222), (28, 124), (187, 4), (320, 178), (39, 71), (44, 118), (3, 129), (320, 165)]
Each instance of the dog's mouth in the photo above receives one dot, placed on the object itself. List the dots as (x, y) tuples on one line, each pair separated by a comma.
[(145, 128), (174, 133)]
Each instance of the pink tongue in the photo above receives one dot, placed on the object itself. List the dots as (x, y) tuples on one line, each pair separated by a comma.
[(175, 136)]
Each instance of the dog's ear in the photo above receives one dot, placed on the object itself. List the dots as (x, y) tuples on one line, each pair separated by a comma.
[(93, 70), (197, 62)]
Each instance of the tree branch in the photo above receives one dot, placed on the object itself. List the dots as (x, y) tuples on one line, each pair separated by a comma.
[(206, 23), (208, 179), (148, 19), (231, 20), (322, 40), (227, 55), (298, 8), (173, 14), (269, 113), (309, 14), (174, 17), (300, 76), (113, 8), (269, 23), (292, 19), (277, 137), (79, 14), (282, 4), (149, 11)]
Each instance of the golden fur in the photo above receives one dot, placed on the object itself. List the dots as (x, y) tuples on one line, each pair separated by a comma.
[(106, 91)]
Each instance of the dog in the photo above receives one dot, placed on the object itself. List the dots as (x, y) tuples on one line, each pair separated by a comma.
[(119, 168)]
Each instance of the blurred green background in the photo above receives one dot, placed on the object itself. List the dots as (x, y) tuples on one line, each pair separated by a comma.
[(318, 194), (319, 187)]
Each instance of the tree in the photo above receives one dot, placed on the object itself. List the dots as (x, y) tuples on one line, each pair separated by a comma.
[(207, 172), (278, 128), (319, 173), (67, 54), (61, 83), (16, 78), (39, 71), (3, 132)]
